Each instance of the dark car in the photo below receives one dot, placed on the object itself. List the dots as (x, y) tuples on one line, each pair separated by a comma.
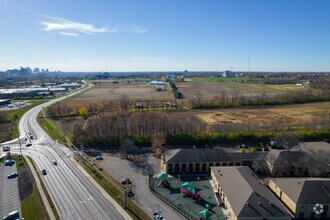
[(125, 181), (129, 193), (9, 162), (44, 172), (11, 216), (28, 145), (6, 148), (99, 158), (12, 175)]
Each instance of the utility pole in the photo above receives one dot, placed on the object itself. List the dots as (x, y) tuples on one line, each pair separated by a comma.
[(249, 63), (20, 145)]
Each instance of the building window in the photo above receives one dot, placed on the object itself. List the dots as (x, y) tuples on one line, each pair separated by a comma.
[(217, 164), (301, 215), (197, 167), (169, 167), (224, 164), (237, 164), (190, 167), (210, 165), (184, 167), (176, 167), (231, 164), (204, 167), (313, 215)]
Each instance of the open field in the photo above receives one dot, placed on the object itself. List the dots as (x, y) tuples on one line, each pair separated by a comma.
[(210, 87), (9, 125), (134, 90), (260, 117)]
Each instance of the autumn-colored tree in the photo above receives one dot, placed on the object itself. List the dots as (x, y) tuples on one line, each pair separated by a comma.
[(83, 112), (158, 145)]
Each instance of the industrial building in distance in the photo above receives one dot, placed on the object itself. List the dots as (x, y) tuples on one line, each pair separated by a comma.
[(48, 89)]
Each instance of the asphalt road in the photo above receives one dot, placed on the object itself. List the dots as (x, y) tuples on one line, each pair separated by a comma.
[(74, 193), (9, 194), (121, 168)]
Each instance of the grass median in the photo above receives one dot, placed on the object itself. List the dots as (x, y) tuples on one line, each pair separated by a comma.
[(32, 206)]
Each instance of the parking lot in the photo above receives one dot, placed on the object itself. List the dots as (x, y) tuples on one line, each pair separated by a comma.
[(9, 194), (189, 205), (121, 168), (14, 106)]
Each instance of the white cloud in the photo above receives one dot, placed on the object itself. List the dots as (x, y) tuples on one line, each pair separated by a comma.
[(71, 28), (67, 26), (69, 34), (138, 30)]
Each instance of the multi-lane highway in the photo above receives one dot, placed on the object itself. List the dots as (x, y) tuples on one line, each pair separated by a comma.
[(75, 194)]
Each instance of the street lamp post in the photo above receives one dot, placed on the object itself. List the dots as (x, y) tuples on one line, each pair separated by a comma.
[(20, 145)]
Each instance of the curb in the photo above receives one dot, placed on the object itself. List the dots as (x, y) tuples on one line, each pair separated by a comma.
[(42, 193)]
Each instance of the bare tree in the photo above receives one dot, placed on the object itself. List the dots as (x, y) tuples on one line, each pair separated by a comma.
[(124, 103), (287, 140)]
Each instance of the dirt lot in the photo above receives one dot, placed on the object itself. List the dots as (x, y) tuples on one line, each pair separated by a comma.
[(262, 117), (210, 87), (134, 90), (218, 118)]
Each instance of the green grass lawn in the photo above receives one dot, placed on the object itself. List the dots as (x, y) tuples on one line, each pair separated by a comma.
[(244, 84), (20, 162), (51, 127), (33, 207)]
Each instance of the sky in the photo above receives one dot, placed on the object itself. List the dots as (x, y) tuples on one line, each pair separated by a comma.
[(165, 35)]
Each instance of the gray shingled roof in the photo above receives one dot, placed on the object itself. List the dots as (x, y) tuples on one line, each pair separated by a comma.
[(212, 155), (305, 190), (286, 158), (316, 146), (247, 196)]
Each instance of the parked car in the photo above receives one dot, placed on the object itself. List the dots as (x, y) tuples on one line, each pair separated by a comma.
[(55, 162), (9, 162), (129, 193), (125, 181), (28, 145), (12, 216), (99, 158), (196, 196), (12, 175), (6, 148), (44, 172)]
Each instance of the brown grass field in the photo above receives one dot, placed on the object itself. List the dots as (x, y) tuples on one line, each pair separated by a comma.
[(260, 117), (134, 90), (210, 87)]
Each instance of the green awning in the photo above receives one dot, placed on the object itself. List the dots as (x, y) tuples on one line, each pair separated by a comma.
[(188, 186), (162, 176), (205, 213)]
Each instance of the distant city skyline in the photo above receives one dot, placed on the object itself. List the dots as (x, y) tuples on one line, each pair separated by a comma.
[(148, 35)]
